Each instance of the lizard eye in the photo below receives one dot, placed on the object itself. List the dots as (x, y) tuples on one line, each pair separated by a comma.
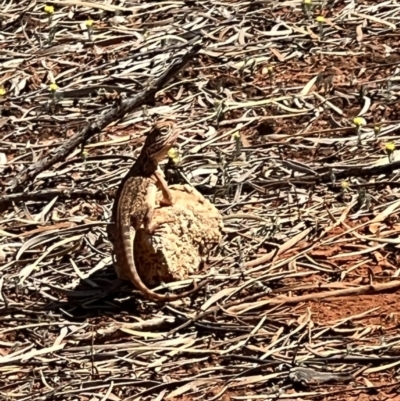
[(164, 131)]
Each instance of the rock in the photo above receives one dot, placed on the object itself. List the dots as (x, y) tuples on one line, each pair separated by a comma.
[(193, 226)]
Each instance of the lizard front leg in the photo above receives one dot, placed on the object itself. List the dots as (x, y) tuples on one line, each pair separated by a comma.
[(149, 225), (162, 184)]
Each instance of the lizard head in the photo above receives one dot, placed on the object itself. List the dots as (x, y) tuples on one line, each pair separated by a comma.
[(161, 139)]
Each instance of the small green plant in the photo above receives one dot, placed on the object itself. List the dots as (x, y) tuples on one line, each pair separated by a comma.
[(270, 72), (238, 144), (89, 27), (359, 122), (389, 149), (307, 7), (219, 110), (345, 191), (377, 130), (84, 156), (49, 10), (363, 199), (53, 88), (321, 19)]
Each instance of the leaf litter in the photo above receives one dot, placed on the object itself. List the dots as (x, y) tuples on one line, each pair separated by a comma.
[(304, 291)]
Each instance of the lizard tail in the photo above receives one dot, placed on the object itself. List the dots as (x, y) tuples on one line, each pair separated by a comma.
[(128, 243)]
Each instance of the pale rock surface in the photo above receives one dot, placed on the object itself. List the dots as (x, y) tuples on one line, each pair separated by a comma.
[(193, 226)]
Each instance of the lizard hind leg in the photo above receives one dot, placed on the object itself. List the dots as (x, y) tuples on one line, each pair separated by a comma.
[(150, 224)]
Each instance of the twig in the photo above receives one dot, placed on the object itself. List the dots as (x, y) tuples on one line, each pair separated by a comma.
[(47, 194)]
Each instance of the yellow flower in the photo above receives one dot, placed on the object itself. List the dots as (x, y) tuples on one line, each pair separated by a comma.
[(268, 70), (377, 129), (307, 1), (320, 19), (236, 135), (390, 147), (2, 91), (173, 154), (48, 9), (359, 121), (53, 87), (89, 23), (345, 185)]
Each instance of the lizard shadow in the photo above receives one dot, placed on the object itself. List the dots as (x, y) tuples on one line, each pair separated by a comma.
[(101, 294)]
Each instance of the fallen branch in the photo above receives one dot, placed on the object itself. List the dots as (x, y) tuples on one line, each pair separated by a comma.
[(348, 171), (325, 295), (49, 194), (328, 295)]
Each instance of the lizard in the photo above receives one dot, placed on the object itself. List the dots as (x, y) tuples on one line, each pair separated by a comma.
[(134, 206)]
